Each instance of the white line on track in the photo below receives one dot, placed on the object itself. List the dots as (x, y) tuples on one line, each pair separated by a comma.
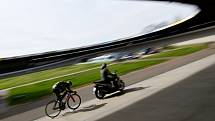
[(50, 78), (96, 109), (44, 80), (74, 73)]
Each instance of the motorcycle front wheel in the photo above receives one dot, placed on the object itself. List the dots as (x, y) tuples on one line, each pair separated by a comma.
[(121, 86)]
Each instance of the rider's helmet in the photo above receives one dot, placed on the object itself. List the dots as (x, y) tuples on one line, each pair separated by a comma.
[(69, 82), (104, 65)]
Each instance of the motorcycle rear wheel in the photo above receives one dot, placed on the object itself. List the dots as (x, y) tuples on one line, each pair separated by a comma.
[(99, 94)]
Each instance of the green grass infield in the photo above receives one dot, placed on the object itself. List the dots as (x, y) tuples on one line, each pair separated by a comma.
[(35, 91)]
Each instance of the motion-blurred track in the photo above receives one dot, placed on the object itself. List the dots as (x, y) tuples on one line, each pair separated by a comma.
[(185, 101), (35, 110)]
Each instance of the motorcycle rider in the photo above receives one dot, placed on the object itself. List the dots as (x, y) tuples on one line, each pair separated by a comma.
[(60, 89), (106, 75)]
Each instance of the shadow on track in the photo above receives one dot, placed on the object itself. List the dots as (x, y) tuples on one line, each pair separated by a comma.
[(126, 91), (86, 108), (95, 106)]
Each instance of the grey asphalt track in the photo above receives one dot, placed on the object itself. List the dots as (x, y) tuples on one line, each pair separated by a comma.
[(97, 109), (189, 100)]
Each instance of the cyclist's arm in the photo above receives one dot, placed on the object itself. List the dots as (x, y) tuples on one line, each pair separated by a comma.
[(68, 88)]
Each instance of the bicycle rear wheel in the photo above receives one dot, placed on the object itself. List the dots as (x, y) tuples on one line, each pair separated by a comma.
[(74, 101), (52, 109)]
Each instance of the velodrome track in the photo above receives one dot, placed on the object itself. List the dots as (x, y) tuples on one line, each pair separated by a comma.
[(37, 113), (135, 94), (191, 99)]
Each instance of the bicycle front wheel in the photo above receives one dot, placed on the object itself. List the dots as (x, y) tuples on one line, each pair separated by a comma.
[(74, 101), (52, 109)]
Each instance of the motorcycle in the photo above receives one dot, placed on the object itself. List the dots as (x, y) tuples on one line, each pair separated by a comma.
[(101, 88)]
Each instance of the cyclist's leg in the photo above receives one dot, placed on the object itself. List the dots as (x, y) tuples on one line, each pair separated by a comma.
[(59, 97), (56, 91), (56, 106), (63, 95)]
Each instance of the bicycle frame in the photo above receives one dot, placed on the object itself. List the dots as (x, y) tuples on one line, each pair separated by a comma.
[(67, 95), (70, 95)]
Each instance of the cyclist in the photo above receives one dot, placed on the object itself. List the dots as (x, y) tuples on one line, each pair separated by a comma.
[(60, 88), (106, 75)]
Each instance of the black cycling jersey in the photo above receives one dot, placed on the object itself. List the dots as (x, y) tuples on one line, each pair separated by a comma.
[(60, 87)]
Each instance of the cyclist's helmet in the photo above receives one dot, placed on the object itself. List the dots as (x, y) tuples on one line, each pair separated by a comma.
[(104, 65), (70, 83)]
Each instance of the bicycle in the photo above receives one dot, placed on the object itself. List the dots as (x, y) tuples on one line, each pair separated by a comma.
[(54, 107)]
